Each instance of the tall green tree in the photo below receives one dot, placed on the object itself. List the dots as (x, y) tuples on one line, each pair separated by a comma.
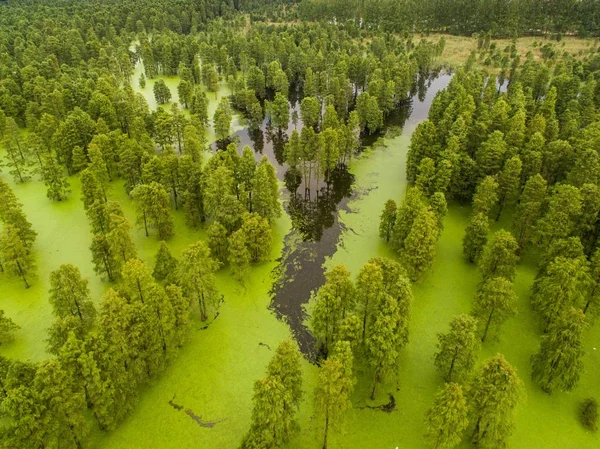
[(381, 344), (493, 396), (56, 183), (70, 295), (447, 418), (14, 254), (238, 254), (508, 183), (529, 210), (334, 386), (499, 257), (152, 207), (420, 245), (387, 220), (494, 303), (562, 286), (486, 196), (165, 265), (558, 364), (195, 274), (456, 350), (476, 236)]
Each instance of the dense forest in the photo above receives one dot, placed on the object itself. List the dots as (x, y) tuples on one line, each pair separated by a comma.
[(402, 249)]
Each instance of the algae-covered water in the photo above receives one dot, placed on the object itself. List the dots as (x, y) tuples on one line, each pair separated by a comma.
[(212, 375)]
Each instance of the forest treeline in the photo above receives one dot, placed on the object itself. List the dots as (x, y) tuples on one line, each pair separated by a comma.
[(465, 17)]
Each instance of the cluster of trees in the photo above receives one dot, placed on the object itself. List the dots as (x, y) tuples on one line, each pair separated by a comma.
[(461, 17), (527, 152), (277, 397), (16, 238), (371, 314), (103, 356), (413, 228)]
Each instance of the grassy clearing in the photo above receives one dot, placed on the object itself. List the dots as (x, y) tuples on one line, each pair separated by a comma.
[(458, 48)]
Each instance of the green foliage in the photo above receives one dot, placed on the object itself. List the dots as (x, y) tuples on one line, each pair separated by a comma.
[(387, 220), (476, 236), (165, 265), (456, 350), (152, 207), (222, 120), (162, 93), (493, 395), (447, 418), (14, 254), (420, 245), (494, 303), (499, 257), (7, 328), (334, 387), (195, 275), (558, 364), (238, 254)]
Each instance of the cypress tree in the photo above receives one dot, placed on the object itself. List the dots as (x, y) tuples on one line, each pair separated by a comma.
[(447, 418), (476, 236), (456, 350), (493, 395), (494, 303), (558, 364)]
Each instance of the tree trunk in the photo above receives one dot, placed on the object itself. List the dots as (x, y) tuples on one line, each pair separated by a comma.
[(21, 272), (374, 387), (365, 322), (449, 376), (487, 326), (202, 308), (145, 224), (326, 430)]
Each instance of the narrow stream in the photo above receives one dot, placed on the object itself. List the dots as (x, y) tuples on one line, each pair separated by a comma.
[(316, 229)]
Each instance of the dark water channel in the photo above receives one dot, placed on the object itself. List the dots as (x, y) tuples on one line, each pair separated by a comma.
[(314, 212)]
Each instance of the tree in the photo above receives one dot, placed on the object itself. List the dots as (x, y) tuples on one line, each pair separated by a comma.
[(447, 418), (310, 110), (558, 364), (165, 265), (499, 257), (70, 295), (529, 210), (476, 236), (334, 386), (269, 420), (195, 274), (257, 233), (210, 77), (285, 365), (508, 183), (387, 220), (152, 207), (560, 219), (455, 355), (238, 254), (119, 235), (421, 244), (103, 258), (218, 242), (7, 328), (54, 179), (589, 414), (185, 91), (369, 290), (493, 396), (562, 286), (486, 196), (162, 93), (280, 112), (265, 191), (222, 120), (14, 254), (494, 303), (381, 345)]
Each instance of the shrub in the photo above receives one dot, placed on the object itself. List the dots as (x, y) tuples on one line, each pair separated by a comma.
[(589, 414)]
